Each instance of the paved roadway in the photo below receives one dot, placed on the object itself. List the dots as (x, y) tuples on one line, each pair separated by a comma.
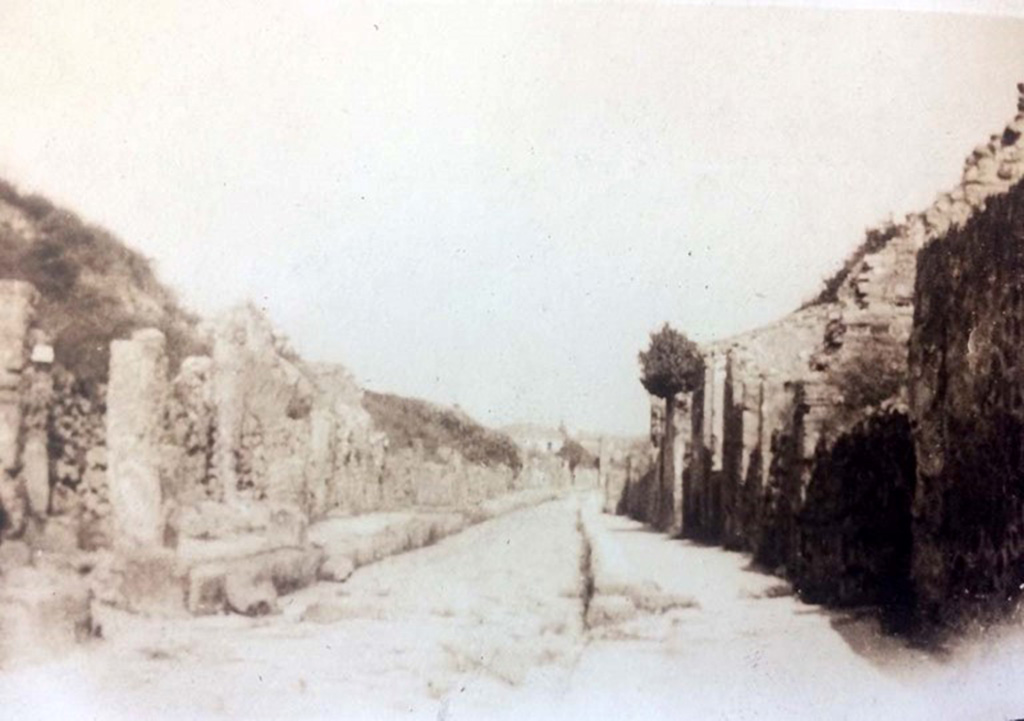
[(490, 624)]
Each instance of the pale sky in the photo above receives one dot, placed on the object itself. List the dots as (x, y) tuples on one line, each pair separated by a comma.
[(495, 206)]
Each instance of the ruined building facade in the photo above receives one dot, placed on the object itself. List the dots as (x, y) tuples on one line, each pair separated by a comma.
[(868, 446), (235, 467)]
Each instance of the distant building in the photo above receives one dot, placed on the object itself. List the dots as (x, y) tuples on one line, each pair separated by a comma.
[(534, 438)]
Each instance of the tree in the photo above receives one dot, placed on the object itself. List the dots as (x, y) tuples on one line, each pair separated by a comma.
[(672, 364), (573, 452)]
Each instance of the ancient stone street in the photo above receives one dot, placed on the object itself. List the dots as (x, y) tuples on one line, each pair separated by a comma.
[(549, 360), (465, 629)]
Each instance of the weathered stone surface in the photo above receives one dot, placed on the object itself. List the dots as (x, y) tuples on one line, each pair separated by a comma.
[(59, 535), (967, 397), (290, 569), (263, 402), (43, 613), (207, 593), (337, 568), (250, 595), (793, 392), (242, 584), (277, 523), (36, 472), (72, 422), (855, 523), (136, 400), (190, 418), (14, 554), (287, 431), (148, 581), (17, 305)]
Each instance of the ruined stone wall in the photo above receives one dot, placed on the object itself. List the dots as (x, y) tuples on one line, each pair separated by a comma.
[(409, 479), (799, 447), (863, 382), (53, 493), (263, 405), (855, 521), (254, 427), (635, 484), (747, 400), (256, 423), (77, 457), (967, 397)]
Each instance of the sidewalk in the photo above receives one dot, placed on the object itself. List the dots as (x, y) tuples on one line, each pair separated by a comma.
[(745, 648)]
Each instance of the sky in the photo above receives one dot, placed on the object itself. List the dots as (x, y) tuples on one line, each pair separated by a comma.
[(493, 206)]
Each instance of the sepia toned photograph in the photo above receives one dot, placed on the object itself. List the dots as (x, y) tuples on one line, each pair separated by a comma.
[(544, 360)]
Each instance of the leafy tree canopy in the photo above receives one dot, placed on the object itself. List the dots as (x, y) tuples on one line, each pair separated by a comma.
[(671, 364), (576, 455)]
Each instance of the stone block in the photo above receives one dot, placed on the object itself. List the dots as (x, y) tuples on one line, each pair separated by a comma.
[(206, 589), (10, 431), (242, 584), (250, 595), (192, 551), (149, 581), (36, 473), (337, 568), (42, 353), (43, 614)]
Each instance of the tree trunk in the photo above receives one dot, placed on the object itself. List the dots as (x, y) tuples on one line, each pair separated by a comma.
[(668, 443)]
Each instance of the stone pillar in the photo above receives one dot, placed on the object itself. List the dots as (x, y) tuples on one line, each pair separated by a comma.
[(718, 380), (773, 395), (17, 306), (697, 505), (35, 457), (229, 406), (708, 417), (136, 400), (679, 460), (603, 474), (324, 433), (751, 393)]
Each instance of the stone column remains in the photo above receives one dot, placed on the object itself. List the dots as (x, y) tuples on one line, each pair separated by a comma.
[(679, 462), (17, 309), (35, 460), (136, 399), (718, 379), (751, 391), (228, 400)]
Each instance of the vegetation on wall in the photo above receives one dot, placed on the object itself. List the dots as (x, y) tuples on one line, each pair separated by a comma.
[(93, 288), (855, 524), (874, 240), (871, 377)]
